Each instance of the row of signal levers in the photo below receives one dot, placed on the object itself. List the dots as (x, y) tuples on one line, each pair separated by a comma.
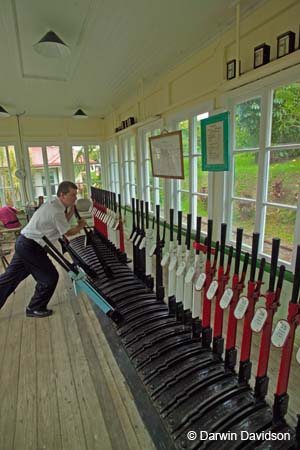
[(188, 365)]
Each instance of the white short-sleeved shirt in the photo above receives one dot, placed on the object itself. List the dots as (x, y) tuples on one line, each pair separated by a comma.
[(49, 220)]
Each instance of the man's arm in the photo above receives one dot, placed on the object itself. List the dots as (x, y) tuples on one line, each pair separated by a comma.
[(75, 230)]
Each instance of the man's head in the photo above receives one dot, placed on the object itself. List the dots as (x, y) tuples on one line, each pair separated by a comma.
[(67, 193)]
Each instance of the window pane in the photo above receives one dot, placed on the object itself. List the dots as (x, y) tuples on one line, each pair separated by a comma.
[(55, 179), (280, 223), (204, 224), (199, 118), (9, 183), (39, 183), (284, 176), (243, 216), (245, 174), (54, 165), (15, 193), (150, 179), (132, 172), (147, 151), (185, 204), (202, 205), (133, 190), (53, 155), (80, 170), (184, 126), (82, 190), (5, 180), (247, 124), (185, 182), (3, 157), (37, 172), (286, 115), (95, 165), (148, 172), (160, 196), (202, 178), (247, 237), (152, 200), (78, 154)]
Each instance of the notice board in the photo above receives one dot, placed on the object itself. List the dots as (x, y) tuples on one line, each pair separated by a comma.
[(215, 142)]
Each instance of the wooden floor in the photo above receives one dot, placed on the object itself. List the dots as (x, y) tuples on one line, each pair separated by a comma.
[(60, 386)]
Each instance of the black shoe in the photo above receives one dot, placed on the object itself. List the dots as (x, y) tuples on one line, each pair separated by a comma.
[(38, 312)]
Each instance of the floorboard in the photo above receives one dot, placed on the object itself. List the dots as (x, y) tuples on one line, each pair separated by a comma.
[(60, 387)]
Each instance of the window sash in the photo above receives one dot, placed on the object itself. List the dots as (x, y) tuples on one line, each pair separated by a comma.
[(86, 184), (262, 205), (44, 187), (128, 167), (188, 188), (9, 192)]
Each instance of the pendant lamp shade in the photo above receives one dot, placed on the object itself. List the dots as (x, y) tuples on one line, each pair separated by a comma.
[(79, 114), (3, 112), (52, 46)]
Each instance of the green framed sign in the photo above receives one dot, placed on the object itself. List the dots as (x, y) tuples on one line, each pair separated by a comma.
[(215, 142)]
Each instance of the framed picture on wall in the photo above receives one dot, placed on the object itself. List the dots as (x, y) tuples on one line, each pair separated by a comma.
[(285, 43), (215, 142), (231, 69), (167, 155), (261, 55)]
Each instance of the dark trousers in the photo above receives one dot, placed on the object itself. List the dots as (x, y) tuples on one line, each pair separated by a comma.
[(29, 258)]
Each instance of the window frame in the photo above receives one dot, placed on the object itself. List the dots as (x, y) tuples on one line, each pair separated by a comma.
[(43, 146), (147, 191), (191, 115), (264, 89), (112, 162), (128, 166), (87, 164), (7, 144)]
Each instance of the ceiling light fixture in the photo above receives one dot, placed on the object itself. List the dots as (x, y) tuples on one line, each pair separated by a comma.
[(52, 46), (3, 112), (79, 114)]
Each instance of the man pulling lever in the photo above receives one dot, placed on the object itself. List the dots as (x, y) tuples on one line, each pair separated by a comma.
[(30, 256)]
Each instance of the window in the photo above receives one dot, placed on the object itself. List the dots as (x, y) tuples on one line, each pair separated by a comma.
[(152, 187), (200, 178), (128, 161), (113, 167), (192, 192), (87, 168), (265, 180), (9, 183), (245, 167), (183, 189), (45, 168)]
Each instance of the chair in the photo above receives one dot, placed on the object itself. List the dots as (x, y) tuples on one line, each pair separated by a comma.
[(84, 206), (3, 254), (10, 232)]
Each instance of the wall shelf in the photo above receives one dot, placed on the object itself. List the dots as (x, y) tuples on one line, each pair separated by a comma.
[(275, 66)]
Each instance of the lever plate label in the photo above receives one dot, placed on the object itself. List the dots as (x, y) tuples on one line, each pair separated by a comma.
[(189, 275), (200, 282), (226, 298), (241, 308), (259, 320), (280, 333), (212, 290)]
